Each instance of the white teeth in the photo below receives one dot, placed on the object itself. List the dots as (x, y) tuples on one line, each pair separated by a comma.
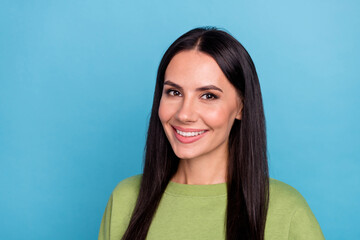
[(189, 134)]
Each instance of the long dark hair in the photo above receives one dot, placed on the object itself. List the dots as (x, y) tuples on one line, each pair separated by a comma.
[(247, 173)]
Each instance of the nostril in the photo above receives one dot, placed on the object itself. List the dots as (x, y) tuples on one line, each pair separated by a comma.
[(186, 115)]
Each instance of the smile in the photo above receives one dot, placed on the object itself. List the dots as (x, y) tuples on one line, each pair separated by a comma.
[(189, 136)]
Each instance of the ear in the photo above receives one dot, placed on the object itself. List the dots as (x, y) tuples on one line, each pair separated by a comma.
[(239, 115), (240, 109)]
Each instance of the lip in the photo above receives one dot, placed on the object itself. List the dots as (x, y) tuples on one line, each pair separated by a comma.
[(187, 140), (188, 129)]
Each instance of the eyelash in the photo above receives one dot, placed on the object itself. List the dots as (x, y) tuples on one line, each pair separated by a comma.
[(213, 96)]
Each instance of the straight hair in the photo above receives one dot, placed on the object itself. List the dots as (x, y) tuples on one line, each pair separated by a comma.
[(247, 173)]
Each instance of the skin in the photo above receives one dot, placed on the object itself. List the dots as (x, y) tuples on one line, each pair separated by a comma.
[(183, 104)]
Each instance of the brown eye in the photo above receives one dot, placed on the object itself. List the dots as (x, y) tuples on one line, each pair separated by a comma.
[(209, 96), (172, 92)]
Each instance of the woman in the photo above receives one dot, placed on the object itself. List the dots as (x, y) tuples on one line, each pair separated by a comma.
[(205, 172)]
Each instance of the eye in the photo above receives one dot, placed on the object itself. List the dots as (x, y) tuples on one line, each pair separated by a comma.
[(172, 92), (209, 96)]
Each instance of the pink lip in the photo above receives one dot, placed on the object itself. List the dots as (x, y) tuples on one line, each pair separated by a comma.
[(188, 129), (183, 139)]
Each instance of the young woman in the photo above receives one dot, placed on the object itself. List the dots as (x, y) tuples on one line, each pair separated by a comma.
[(205, 171)]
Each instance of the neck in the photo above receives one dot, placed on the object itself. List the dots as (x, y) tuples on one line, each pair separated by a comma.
[(202, 170)]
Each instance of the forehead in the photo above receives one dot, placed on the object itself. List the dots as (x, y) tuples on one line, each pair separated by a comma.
[(195, 68)]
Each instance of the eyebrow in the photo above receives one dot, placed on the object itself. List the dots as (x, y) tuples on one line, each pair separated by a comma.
[(204, 88)]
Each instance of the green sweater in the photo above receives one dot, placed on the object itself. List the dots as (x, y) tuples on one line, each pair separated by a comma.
[(198, 212)]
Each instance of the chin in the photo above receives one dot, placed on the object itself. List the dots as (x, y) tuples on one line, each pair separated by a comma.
[(183, 154)]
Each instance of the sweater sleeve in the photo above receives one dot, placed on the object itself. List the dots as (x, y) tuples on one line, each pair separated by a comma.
[(304, 225), (119, 208), (104, 233)]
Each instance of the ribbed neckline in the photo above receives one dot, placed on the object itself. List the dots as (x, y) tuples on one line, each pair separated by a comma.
[(211, 190)]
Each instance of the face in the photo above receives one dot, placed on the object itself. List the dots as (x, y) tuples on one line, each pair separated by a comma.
[(198, 106)]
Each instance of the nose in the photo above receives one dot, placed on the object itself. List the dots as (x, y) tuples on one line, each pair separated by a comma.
[(186, 111)]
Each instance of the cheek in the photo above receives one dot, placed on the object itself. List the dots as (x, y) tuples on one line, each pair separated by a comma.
[(221, 117), (165, 111)]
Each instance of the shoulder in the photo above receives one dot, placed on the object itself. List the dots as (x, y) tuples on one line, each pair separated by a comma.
[(289, 214), (124, 196), (128, 187), (283, 195), (120, 207)]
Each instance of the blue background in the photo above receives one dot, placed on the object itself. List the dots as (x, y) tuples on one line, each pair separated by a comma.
[(76, 87)]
